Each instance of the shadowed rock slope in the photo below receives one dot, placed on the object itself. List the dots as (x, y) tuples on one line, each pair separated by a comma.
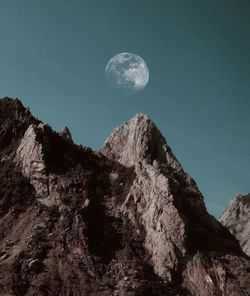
[(126, 220), (237, 219)]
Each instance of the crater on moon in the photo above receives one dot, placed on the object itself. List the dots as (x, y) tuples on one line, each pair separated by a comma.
[(127, 72)]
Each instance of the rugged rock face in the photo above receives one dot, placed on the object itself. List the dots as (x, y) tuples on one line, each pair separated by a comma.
[(237, 219), (169, 205), (29, 157), (123, 221), (65, 132)]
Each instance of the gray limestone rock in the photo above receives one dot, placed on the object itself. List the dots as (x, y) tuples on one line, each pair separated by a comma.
[(30, 158), (237, 219), (167, 203), (138, 140)]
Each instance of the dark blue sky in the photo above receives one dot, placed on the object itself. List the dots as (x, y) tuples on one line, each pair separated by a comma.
[(53, 55)]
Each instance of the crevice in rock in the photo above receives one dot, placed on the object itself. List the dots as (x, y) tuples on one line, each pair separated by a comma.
[(102, 230)]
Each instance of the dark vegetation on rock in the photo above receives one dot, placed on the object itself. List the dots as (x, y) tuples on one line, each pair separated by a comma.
[(125, 220)]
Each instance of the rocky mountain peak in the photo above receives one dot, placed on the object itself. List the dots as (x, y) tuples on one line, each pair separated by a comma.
[(65, 132), (14, 121), (237, 219), (137, 141)]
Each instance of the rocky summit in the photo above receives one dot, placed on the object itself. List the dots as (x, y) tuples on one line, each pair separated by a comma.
[(237, 219), (124, 221)]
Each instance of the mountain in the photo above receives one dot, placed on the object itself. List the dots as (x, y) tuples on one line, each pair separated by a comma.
[(237, 219), (125, 220)]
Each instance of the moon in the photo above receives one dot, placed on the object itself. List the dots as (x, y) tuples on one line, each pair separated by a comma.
[(127, 72)]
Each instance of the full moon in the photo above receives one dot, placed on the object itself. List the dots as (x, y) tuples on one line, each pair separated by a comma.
[(127, 72)]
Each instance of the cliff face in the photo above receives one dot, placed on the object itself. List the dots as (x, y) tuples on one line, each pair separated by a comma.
[(237, 219), (126, 220)]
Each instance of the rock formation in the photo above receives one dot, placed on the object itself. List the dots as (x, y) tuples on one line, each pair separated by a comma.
[(65, 132), (237, 219), (29, 157), (125, 220)]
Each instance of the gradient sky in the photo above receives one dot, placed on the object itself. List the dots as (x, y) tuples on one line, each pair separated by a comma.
[(53, 56)]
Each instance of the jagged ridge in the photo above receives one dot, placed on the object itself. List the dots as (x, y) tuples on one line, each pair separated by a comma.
[(123, 221)]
